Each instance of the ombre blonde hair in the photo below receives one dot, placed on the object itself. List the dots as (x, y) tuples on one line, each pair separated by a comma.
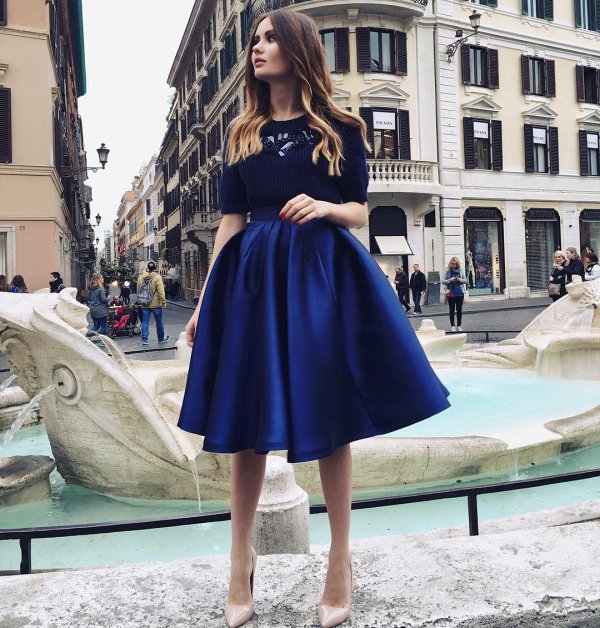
[(454, 259), (300, 42), (97, 281)]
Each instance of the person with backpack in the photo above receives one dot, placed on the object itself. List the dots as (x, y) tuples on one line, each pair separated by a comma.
[(56, 282), (151, 298)]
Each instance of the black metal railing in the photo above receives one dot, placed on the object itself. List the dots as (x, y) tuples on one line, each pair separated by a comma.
[(26, 535)]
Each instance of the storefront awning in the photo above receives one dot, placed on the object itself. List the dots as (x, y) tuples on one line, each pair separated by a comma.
[(393, 245)]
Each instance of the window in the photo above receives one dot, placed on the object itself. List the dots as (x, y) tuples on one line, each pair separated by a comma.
[(589, 153), (245, 25), (543, 9), (541, 149), (5, 126), (3, 16), (483, 144), (337, 49), (381, 51), (388, 132), (587, 14), (588, 84), (148, 207), (538, 76), (479, 66), (485, 3)]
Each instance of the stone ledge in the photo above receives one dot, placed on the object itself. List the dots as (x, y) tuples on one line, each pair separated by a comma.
[(537, 577)]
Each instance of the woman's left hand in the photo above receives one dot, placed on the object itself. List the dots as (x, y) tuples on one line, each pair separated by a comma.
[(303, 208)]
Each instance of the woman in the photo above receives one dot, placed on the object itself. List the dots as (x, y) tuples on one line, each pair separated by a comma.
[(3, 283), (18, 285), (558, 276), (592, 268), (401, 281), (98, 303), (455, 295), (298, 342), (573, 265)]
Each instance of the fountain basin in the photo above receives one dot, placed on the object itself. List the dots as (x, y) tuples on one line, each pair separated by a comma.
[(24, 479)]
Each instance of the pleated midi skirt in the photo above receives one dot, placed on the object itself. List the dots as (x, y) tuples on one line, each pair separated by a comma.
[(302, 345)]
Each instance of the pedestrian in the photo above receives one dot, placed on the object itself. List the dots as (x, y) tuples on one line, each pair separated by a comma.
[(455, 294), (558, 277), (175, 290), (573, 265), (297, 340), (151, 297), (3, 283), (18, 285), (126, 293), (592, 268), (56, 282), (98, 302), (417, 284), (401, 281)]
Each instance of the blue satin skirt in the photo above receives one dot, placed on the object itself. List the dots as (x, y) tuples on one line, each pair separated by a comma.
[(302, 345)]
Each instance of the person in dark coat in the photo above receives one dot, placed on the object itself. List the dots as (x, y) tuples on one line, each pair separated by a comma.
[(56, 282), (125, 293), (401, 281), (417, 285), (98, 303), (573, 265), (558, 275)]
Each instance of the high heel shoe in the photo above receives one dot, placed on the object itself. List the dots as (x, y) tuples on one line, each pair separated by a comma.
[(330, 616), (238, 615)]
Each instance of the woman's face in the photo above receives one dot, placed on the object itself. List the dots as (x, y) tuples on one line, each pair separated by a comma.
[(267, 58), (454, 263), (559, 259), (570, 254)]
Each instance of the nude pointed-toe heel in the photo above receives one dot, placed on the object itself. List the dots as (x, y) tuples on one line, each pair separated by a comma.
[(238, 615), (330, 616)]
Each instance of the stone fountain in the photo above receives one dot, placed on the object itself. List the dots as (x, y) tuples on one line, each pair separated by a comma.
[(111, 421)]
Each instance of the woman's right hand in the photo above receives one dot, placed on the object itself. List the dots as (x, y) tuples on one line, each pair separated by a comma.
[(190, 329)]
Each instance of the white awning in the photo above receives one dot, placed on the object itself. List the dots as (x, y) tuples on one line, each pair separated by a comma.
[(393, 245)]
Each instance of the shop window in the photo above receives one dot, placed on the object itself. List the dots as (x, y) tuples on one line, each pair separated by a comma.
[(589, 231), (542, 238), (484, 245)]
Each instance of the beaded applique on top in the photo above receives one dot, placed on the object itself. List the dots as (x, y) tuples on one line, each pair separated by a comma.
[(281, 142)]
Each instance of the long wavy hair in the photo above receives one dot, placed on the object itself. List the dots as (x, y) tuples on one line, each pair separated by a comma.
[(300, 42), (97, 281)]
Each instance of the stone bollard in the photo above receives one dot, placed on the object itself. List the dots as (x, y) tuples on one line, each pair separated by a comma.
[(281, 524)]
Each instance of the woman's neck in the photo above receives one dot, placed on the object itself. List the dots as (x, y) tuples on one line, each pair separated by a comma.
[(286, 102)]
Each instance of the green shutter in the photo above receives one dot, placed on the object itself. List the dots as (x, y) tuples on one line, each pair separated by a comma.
[(549, 10), (524, 7), (596, 22), (578, 16)]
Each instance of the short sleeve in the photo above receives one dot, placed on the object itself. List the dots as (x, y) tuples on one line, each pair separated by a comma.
[(234, 199), (354, 180)]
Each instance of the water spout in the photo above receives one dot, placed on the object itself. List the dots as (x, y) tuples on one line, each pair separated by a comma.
[(6, 383), (22, 416), (515, 456), (194, 469)]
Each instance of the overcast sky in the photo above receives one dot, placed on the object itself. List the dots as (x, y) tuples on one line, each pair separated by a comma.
[(129, 49)]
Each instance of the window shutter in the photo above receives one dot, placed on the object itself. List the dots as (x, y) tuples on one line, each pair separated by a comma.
[(580, 82), (465, 61), (550, 78), (342, 50), (584, 162), (549, 10), (597, 14), (5, 126), (578, 16), (363, 49), (524, 7), (493, 71), (497, 159), (469, 143), (553, 149), (401, 54), (492, 3), (404, 127), (222, 63), (3, 16), (525, 74), (366, 113), (529, 165), (598, 87)]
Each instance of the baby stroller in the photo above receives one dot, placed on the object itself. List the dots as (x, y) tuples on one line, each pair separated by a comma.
[(123, 323)]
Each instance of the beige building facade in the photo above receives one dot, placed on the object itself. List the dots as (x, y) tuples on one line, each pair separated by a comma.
[(44, 204)]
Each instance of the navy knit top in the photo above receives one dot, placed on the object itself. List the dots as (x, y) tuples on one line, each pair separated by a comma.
[(284, 169)]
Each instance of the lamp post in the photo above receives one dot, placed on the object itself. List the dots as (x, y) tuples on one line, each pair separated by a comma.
[(475, 19), (102, 156)]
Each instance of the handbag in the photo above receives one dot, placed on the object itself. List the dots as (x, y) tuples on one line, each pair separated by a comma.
[(553, 289), (448, 294)]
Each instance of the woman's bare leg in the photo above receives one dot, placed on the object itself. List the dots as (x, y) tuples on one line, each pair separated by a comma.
[(247, 475), (336, 480)]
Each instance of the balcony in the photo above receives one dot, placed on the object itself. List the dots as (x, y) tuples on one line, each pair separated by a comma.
[(399, 175), (402, 9)]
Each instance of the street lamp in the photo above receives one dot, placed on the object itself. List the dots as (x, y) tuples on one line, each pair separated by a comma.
[(102, 156), (155, 229), (475, 19), (103, 151), (98, 219), (97, 241)]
